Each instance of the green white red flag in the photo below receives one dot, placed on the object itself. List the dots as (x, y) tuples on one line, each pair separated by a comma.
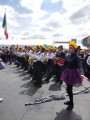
[(4, 25)]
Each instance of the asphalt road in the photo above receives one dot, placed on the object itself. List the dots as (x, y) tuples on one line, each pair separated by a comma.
[(16, 88)]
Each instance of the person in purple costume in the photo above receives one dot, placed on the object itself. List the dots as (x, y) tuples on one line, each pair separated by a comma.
[(2, 64), (71, 74)]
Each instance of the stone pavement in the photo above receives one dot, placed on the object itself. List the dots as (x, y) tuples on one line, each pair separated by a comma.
[(16, 88)]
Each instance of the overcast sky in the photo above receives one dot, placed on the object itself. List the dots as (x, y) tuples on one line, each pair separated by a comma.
[(46, 19)]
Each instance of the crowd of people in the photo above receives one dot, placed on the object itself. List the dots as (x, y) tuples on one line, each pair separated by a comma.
[(43, 62)]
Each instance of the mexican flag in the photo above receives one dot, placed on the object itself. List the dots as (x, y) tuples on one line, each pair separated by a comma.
[(4, 25)]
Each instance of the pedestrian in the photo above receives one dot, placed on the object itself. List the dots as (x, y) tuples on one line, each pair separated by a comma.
[(88, 68), (2, 66), (71, 74)]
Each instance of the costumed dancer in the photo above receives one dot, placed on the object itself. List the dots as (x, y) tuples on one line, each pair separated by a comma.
[(38, 68), (71, 74), (49, 65), (60, 56)]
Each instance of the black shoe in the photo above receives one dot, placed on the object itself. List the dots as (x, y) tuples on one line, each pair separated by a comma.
[(21, 67), (36, 83), (39, 86), (70, 107), (60, 82), (67, 102), (41, 83), (47, 80), (57, 81)]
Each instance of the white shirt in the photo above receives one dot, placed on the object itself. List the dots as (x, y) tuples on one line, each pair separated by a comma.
[(88, 60)]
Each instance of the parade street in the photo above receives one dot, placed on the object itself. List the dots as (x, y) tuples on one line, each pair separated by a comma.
[(17, 89)]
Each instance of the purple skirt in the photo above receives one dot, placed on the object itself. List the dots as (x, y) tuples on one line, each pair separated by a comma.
[(2, 65), (72, 77)]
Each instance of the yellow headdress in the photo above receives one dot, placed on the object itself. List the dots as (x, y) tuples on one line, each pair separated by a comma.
[(82, 50), (73, 44), (38, 46)]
